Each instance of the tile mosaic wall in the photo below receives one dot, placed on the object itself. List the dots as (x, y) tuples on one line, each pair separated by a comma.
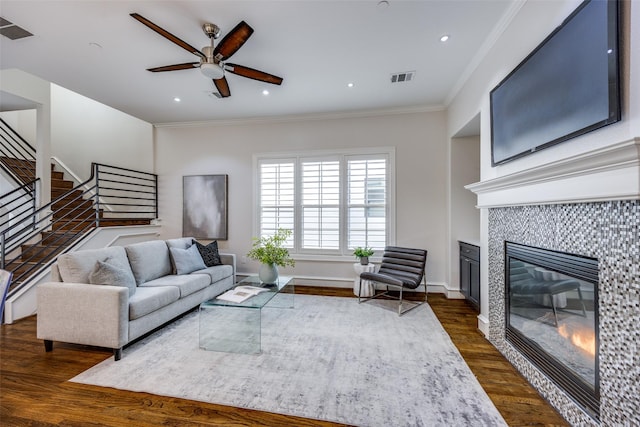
[(609, 231)]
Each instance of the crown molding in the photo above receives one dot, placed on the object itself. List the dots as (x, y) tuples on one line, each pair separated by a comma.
[(307, 117)]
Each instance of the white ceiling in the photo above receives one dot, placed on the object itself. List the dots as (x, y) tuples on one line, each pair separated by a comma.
[(317, 46)]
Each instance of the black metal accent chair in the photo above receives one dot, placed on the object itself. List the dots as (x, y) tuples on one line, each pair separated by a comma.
[(402, 268)]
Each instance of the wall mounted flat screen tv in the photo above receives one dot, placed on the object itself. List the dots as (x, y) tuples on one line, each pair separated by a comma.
[(569, 85)]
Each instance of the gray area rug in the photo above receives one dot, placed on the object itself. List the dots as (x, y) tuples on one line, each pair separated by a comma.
[(329, 358)]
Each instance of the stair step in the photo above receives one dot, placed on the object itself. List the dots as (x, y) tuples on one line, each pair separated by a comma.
[(68, 202), (55, 192), (37, 253), (22, 163), (60, 184), (85, 211), (56, 237), (73, 225), (17, 268), (114, 222), (12, 161), (24, 173)]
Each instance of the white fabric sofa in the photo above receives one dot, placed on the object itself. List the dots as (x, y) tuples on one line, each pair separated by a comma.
[(112, 296)]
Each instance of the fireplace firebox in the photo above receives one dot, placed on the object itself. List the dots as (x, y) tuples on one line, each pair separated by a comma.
[(552, 317)]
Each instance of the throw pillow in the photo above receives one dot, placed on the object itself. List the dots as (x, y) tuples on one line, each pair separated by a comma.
[(186, 260), (209, 253), (113, 273)]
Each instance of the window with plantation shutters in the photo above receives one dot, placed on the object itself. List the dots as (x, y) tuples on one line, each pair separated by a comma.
[(367, 203), (277, 196), (333, 202), (320, 204)]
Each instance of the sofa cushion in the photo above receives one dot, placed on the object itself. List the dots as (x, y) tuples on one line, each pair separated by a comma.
[(113, 272), (209, 253), (216, 273), (187, 283), (150, 299), (149, 260), (76, 266), (186, 260), (180, 242)]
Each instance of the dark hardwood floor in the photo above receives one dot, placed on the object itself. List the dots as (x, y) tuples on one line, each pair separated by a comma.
[(34, 387)]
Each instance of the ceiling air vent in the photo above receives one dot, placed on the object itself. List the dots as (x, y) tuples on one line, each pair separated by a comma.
[(12, 31), (405, 76)]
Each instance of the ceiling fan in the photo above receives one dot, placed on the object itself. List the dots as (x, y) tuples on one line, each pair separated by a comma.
[(213, 59)]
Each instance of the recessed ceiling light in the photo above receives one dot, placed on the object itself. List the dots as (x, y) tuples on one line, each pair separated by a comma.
[(444, 38), (383, 4), (176, 99), (349, 84), (265, 92), (96, 45)]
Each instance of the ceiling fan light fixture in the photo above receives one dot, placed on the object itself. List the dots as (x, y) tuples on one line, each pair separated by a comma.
[(213, 71)]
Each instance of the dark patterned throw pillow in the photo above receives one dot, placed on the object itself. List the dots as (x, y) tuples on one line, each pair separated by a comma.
[(209, 253)]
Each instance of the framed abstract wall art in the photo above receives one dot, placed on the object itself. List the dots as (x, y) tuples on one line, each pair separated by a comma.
[(204, 208)]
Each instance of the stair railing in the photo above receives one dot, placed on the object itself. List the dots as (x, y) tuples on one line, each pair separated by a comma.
[(16, 154), (122, 192), (110, 193), (18, 203)]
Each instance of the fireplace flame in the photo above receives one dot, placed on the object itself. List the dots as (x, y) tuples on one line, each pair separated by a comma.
[(582, 338)]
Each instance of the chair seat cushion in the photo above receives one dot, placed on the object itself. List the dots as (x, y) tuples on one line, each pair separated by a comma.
[(382, 278)]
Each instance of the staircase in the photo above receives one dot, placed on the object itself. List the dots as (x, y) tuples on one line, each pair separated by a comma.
[(73, 214)]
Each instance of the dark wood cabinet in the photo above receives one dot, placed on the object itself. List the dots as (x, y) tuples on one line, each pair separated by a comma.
[(470, 273)]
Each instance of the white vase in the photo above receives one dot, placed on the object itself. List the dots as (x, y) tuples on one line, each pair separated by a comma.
[(268, 273)]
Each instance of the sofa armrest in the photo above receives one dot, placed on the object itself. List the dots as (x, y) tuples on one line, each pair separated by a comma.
[(85, 314), (229, 259)]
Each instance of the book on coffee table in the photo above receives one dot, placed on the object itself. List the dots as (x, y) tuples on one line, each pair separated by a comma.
[(241, 293)]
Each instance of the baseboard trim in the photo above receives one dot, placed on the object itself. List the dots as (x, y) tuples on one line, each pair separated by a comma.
[(347, 283), (483, 324)]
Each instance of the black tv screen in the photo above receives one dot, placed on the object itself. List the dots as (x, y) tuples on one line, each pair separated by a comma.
[(567, 86)]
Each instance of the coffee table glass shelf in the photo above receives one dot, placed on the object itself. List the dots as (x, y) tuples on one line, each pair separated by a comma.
[(235, 327)]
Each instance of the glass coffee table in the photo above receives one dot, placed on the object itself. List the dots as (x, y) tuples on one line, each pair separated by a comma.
[(236, 327)]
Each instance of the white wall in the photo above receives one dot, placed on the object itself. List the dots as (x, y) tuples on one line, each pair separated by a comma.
[(22, 121), (85, 131), (37, 92), (464, 217), (76, 130), (421, 184)]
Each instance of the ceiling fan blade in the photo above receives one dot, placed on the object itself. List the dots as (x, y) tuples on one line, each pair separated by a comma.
[(167, 35), (232, 41), (223, 87), (174, 67), (253, 74)]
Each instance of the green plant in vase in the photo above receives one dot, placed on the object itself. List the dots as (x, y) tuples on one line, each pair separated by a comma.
[(363, 254), (270, 252)]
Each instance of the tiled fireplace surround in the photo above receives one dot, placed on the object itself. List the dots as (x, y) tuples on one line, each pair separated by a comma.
[(585, 222)]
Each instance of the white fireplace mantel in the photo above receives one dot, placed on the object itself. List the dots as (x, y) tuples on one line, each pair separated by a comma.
[(605, 174)]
